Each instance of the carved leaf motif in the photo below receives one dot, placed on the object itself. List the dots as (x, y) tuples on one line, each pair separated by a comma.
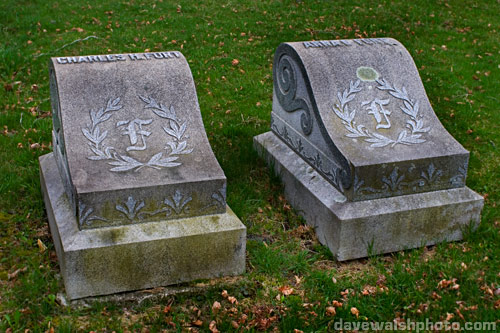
[(125, 167), (155, 158), (182, 145), (178, 202), (182, 130), (130, 159), (169, 131), (105, 117), (165, 162), (402, 135), (175, 127), (394, 180), (126, 163), (131, 208), (413, 139), (159, 109), (172, 111), (114, 104), (102, 137), (378, 143), (88, 135), (99, 155), (160, 113)]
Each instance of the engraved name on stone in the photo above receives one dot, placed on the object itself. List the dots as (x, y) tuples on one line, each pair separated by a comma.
[(349, 42), (117, 57)]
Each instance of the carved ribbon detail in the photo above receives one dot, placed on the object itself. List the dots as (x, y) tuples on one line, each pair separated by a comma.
[(286, 92)]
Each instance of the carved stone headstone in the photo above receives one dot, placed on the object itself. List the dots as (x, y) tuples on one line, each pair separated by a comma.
[(357, 114), (135, 164)]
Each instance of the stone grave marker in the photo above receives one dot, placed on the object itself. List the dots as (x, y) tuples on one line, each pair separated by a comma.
[(134, 194), (360, 150)]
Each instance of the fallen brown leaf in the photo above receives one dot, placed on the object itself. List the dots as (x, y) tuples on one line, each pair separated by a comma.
[(337, 304), (41, 246), (16, 273), (330, 311), (369, 290), (286, 290), (216, 307), (213, 327)]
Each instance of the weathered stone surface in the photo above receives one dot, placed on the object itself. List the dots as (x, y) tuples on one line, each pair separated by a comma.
[(108, 260), (357, 229), (129, 139), (357, 111)]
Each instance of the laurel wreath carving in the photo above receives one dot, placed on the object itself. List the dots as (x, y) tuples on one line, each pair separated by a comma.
[(409, 136), (175, 129)]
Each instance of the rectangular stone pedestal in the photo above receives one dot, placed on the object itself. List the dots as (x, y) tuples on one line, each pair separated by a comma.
[(137, 256), (357, 229)]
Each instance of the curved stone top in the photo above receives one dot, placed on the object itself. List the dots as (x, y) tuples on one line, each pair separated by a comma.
[(363, 119), (130, 140)]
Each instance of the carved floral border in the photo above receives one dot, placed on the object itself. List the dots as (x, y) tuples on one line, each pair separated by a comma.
[(174, 205)]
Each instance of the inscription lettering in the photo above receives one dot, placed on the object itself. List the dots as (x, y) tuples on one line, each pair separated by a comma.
[(133, 130), (117, 57), (360, 42), (376, 108)]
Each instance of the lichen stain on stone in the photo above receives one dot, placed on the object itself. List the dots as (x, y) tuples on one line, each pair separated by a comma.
[(437, 223), (124, 267), (150, 228), (112, 235), (367, 74)]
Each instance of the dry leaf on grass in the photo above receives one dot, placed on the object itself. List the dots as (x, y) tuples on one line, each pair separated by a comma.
[(216, 307), (213, 327), (286, 290), (355, 312), (330, 311)]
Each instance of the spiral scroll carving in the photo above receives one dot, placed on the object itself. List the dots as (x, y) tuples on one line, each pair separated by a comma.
[(286, 82)]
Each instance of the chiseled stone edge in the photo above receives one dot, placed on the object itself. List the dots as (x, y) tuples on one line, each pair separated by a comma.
[(357, 229), (138, 256)]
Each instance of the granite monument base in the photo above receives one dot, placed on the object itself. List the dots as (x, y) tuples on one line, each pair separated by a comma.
[(109, 260), (358, 229)]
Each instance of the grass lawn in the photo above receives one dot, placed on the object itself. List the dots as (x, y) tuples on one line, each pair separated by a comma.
[(292, 282)]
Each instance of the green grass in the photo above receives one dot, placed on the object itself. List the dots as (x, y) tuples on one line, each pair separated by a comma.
[(455, 45)]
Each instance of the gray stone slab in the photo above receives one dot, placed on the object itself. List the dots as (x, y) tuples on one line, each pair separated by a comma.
[(129, 139), (108, 260), (357, 112), (357, 229)]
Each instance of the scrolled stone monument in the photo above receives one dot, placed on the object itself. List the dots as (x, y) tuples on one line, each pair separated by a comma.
[(360, 150), (134, 194)]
